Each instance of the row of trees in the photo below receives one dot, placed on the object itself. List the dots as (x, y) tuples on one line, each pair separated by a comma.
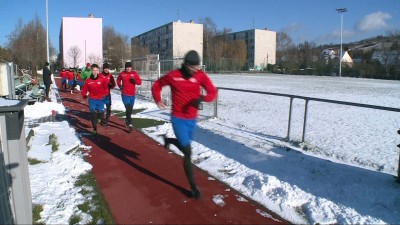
[(27, 45), (116, 47), (381, 61), (219, 52)]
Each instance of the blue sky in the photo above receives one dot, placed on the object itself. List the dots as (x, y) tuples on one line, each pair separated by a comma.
[(307, 20)]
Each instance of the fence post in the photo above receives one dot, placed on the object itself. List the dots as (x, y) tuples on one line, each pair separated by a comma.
[(398, 168), (290, 119), (158, 65), (216, 105), (305, 120)]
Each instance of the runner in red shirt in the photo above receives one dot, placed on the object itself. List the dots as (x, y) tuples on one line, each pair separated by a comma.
[(110, 82), (186, 84), (71, 79), (127, 81), (79, 81), (97, 89), (64, 75)]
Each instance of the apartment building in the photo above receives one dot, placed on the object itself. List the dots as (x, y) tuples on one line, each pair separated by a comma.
[(170, 41), (261, 46), (81, 41)]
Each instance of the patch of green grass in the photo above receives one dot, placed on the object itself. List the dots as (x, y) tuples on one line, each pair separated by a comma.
[(96, 205), (143, 123), (85, 192), (36, 209), (85, 207), (33, 161), (53, 142), (139, 122), (74, 219), (136, 111), (118, 113)]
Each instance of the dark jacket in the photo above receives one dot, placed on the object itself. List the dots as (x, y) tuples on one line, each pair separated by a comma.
[(46, 76)]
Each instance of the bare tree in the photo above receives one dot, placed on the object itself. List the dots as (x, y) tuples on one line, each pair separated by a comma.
[(28, 44), (389, 52), (138, 50), (283, 44), (95, 59), (5, 54), (74, 54), (209, 32), (237, 51), (116, 47)]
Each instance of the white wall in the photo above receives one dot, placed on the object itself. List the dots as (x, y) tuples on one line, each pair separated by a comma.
[(187, 36), (78, 31), (265, 47)]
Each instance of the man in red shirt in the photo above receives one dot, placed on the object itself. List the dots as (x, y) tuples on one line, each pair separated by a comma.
[(64, 75), (97, 89), (127, 81), (71, 79), (110, 82), (186, 84), (79, 81)]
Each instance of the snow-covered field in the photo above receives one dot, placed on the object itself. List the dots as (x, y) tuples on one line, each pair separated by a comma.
[(345, 175)]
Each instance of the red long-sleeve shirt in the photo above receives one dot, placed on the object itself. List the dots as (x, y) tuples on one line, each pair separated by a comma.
[(64, 74), (123, 81), (185, 92), (109, 79), (96, 87), (70, 75), (78, 76)]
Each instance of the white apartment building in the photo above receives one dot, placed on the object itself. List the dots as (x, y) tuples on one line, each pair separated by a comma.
[(81, 41), (261, 46), (172, 40)]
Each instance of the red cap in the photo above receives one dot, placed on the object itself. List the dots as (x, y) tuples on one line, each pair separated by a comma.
[(87, 64)]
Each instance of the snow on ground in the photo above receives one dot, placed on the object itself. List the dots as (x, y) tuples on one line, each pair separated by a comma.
[(345, 173)]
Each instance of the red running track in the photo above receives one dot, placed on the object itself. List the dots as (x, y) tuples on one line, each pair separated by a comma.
[(144, 183)]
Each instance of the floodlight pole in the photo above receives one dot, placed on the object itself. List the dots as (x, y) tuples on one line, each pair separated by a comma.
[(85, 53), (47, 31), (341, 11)]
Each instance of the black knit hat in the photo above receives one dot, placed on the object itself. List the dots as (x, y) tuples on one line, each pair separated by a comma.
[(106, 66), (128, 64), (94, 66), (192, 58)]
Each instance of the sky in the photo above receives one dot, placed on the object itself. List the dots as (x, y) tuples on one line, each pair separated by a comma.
[(346, 175), (312, 20)]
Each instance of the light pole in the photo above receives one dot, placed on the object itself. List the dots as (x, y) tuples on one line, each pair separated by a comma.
[(266, 64), (341, 11), (47, 31), (85, 53)]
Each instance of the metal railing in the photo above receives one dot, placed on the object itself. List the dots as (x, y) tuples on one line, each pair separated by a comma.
[(307, 100), (291, 98)]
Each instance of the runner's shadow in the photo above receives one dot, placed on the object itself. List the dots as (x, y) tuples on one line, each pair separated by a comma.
[(73, 101), (120, 127), (126, 156)]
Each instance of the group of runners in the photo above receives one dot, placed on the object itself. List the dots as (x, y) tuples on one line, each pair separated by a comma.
[(96, 87), (186, 84)]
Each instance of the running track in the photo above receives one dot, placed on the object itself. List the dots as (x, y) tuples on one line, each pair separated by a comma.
[(143, 183)]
